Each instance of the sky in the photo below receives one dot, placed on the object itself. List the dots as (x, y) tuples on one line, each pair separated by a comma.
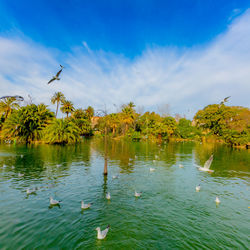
[(183, 55)]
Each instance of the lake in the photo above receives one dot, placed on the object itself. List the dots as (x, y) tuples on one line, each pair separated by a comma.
[(170, 214)]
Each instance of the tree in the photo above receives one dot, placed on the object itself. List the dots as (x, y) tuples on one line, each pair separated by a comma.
[(90, 112), (83, 121), (57, 98), (67, 107), (7, 105), (27, 123), (229, 123), (128, 115), (62, 131)]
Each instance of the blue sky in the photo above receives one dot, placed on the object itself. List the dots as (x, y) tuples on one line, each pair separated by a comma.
[(119, 51)]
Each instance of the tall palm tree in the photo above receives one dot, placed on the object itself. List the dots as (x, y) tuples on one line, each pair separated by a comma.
[(67, 107), (57, 98), (7, 105)]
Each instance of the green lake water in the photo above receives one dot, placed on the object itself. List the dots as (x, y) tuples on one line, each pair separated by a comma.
[(170, 214)]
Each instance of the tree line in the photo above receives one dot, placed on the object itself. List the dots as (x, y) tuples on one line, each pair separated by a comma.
[(31, 122)]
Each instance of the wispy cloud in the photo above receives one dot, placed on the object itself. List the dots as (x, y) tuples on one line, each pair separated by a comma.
[(187, 79)]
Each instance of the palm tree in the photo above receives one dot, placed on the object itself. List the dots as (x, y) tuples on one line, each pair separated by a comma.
[(62, 131), (90, 112), (57, 98), (67, 107), (7, 105), (27, 123)]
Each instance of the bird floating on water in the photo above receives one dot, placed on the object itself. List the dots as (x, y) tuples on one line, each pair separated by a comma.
[(137, 194), (207, 165), (108, 196), (152, 169), (85, 206), (31, 191), (115, 176), (20, 175), (54, 202), (198, 188), (181, 166), (217, 200), (102, 234), (56, 77)]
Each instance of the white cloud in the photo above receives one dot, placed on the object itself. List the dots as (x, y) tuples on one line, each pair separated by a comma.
[(187, 79)]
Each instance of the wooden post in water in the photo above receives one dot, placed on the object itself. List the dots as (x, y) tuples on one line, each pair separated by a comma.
[(105, 172)]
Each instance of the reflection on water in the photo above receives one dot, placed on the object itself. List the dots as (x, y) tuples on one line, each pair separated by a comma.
[(169, 214)]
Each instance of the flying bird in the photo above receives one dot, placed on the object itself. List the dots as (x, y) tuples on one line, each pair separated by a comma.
[(207, 165), (225, 100), (102, 234), (56, 77), (17, 97)]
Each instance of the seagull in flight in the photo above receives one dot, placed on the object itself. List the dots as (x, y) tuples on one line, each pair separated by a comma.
[(56, 77), (225, 100), (207, 165), (102, 234)]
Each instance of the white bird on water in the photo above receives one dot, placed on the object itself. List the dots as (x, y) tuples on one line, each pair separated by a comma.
[(31, 191), (115, 176), (108, 196), (217, 200), (207, 165), (85, 206), (20, 175), (102, 234), (152, 169), (198, 188), (54, 202), (137, 194), (181, 166)]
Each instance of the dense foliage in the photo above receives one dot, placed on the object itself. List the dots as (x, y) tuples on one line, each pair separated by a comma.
[(229, 123), (27, 123), (62, 131), (36, 122)]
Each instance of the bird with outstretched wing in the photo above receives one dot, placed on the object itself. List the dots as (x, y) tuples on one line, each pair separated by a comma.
[(225, 100), (56, 77)]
